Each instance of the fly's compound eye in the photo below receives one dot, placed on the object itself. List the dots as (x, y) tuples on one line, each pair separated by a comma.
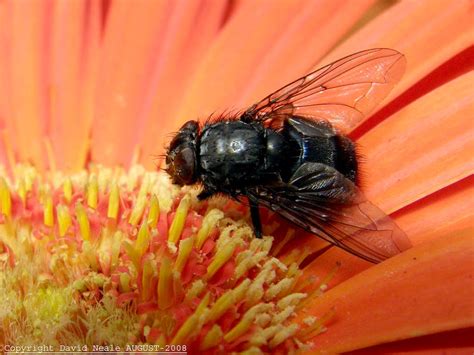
[(181, 158), (184, 164), (182, 167)]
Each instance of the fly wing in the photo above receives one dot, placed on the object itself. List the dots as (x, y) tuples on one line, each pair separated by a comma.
[(342, 92), (322, 201)]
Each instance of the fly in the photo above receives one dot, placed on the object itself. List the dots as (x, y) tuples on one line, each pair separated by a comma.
[(288, 153)]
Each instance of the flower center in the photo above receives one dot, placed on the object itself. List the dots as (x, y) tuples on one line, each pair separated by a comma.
[(130, 258)]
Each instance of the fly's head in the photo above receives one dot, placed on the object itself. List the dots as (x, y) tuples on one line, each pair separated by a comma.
[(181, 157)]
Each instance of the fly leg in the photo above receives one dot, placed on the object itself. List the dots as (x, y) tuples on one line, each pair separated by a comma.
[(255, 214)]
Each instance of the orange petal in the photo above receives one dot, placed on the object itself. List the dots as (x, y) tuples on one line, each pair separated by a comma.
[(425, 290), (26, 24), (448, 211), (4, 96), (423, 148), (455, 342), (254, 37), (349, 265), (66, 127), (409, 26), (299, 47), (188, 36), (88, 78), (133, 32)]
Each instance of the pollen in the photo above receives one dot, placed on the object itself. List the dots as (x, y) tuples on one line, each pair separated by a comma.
[(128, 257)]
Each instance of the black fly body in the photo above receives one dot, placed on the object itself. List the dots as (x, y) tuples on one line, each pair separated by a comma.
[(286, 153)]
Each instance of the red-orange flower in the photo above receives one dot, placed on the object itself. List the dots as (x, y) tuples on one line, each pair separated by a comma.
[(95, 249)]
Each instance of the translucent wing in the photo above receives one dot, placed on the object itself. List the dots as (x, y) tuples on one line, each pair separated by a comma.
[(342, 92), (322, 201)]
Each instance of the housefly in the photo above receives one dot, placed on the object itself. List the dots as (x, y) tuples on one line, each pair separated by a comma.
[(288, 153)]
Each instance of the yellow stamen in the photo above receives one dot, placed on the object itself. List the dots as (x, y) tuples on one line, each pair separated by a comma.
[(5, 197), (165, 284), (252, 351), (178, 287), (228, 299), (292, 257), (318, 326), (291, 300), (154, 212), (279, 318), (22, 191), (83, 220), (64, 219), (282, 335), (124, 282), (146, 330), (195, 290), (193, 324), (264, 244), (222, 256), (263, 319), (89, 254), (114, 202), (92, 192), (262, 335), (293, 270), (147, 278), (67, 190), (222, 304), (140, 204), (177, 225), (247, 320), (209, 221), (115, 248), (256, 290), (246, 261), (281, 287), (132, 253), (143, 239), (30, 177), (185, 248), (212, 338), (48, 215)]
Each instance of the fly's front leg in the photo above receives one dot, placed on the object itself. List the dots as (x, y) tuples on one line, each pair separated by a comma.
[(255, 214)]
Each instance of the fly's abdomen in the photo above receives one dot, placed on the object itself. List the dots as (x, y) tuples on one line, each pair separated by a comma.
[(318, 142), (231, 152)]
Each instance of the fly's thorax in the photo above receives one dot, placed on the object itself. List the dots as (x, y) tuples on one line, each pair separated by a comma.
[(230, 152)]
